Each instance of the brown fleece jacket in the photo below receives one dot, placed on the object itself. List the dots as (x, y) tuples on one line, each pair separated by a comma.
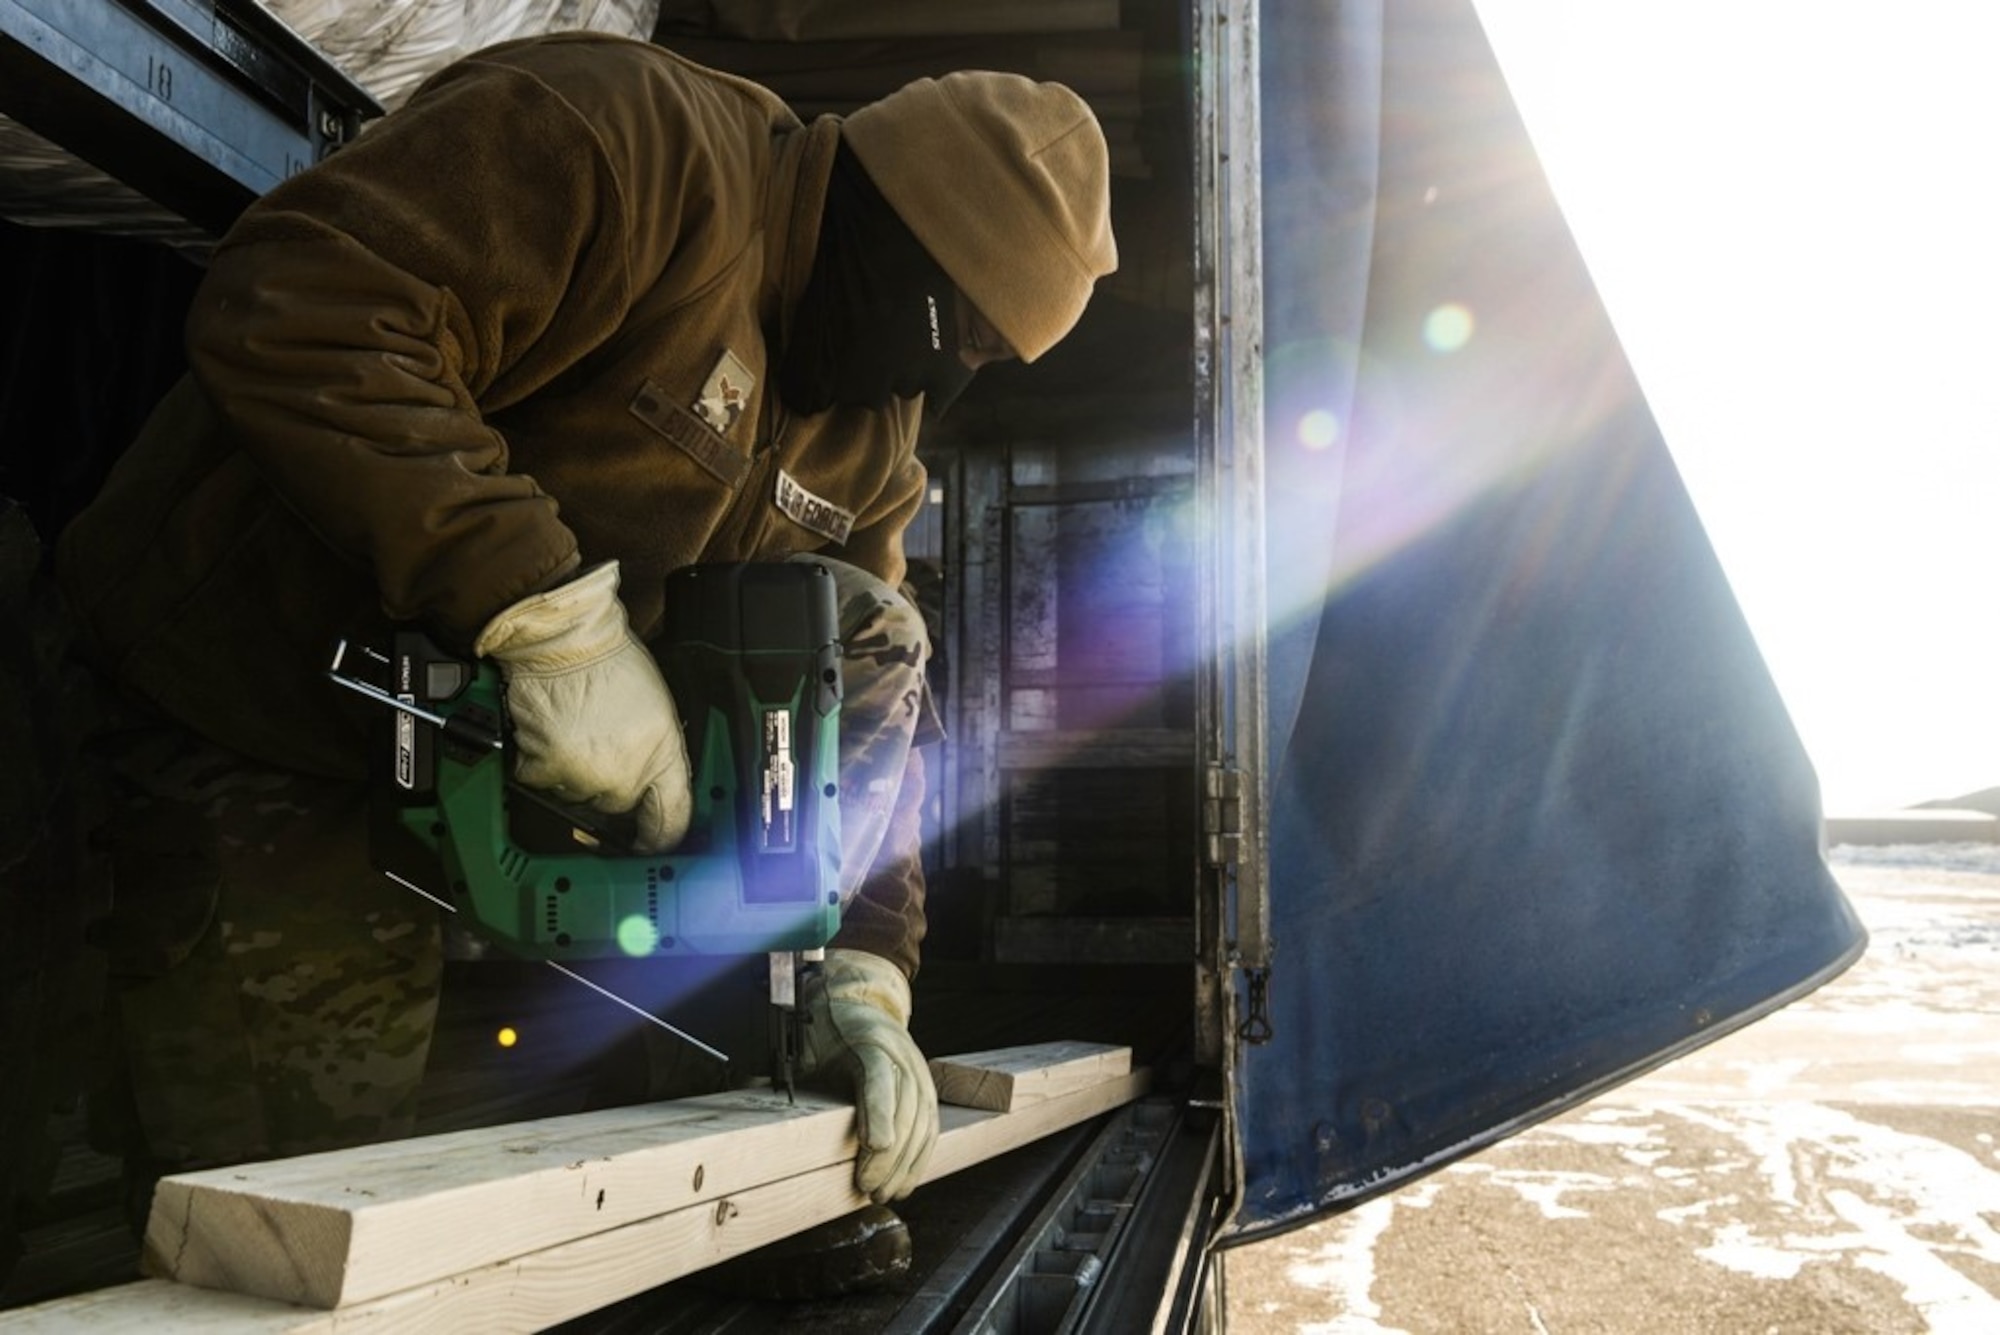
[(461, 357)]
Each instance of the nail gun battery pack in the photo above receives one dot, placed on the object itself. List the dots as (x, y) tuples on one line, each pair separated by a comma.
[(752, 656)]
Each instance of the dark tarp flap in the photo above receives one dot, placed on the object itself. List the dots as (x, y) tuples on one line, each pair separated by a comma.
[(1539, 820)]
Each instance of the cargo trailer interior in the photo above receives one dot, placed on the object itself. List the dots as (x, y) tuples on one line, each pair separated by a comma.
[(1076, 840)]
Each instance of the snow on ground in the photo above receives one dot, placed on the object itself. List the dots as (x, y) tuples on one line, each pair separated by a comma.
[(1833, 1167), (1917, 859)]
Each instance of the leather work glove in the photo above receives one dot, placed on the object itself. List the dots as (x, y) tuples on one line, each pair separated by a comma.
[(858, 1026), (593, 722)]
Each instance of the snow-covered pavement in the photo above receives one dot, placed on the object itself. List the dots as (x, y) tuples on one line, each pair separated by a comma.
[(1834, 1167)]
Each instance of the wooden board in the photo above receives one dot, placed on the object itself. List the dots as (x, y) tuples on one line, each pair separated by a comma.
[(328, 1230), (540, 1288), (347, 1229), (158, 1305), (1009, 1078)]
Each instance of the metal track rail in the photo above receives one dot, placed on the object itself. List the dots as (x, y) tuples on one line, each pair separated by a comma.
[(1113, 1214)]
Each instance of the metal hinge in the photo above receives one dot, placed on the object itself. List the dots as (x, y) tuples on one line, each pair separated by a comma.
[(1222, 813)]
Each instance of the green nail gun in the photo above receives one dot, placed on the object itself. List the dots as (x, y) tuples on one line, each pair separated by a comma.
[(751, 654)]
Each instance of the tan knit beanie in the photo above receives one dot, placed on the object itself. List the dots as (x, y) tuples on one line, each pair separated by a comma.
[(1007, 183)]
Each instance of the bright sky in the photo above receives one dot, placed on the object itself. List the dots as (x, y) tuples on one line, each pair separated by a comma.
[(1792, 208)]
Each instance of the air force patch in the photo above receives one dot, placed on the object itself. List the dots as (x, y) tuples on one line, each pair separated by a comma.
[(725, 394), (812, 512)]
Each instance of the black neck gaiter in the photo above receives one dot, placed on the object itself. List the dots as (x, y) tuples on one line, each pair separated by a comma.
[(877, 318)]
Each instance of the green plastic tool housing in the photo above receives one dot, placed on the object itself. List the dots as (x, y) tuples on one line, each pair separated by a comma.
[(751, 653)]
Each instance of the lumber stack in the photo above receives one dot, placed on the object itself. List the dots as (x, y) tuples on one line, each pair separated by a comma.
[(517, 1228)]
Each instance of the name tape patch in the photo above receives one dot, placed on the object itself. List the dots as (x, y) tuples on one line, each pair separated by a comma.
[(688, 434)]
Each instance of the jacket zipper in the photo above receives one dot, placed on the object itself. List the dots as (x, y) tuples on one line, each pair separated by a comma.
[(742, 526)]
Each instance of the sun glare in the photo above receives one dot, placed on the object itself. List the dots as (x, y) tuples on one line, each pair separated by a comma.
[(1785, 207), (1319, 429), (1448, 327)]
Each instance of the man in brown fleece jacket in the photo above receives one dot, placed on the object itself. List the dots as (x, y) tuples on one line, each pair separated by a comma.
[(579, 314)]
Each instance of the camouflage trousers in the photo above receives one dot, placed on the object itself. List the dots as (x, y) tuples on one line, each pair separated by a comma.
[(275, 995), (885, 709)]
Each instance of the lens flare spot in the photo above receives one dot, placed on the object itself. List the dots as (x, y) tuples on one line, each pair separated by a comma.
[(1448, 327), (637, 935), (507, 1037), (1318, 429)]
